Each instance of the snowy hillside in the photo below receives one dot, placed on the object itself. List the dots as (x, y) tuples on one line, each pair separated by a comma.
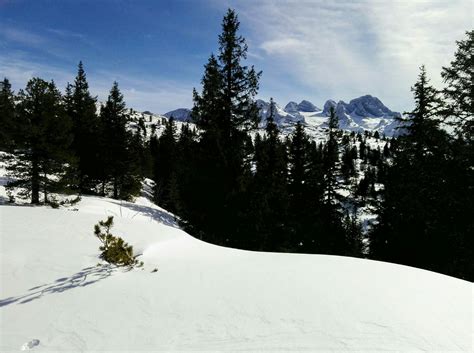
[(56, 295)]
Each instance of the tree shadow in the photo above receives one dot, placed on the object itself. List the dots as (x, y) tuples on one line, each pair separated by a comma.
[(4, 180), (83, 278), (153, 213)]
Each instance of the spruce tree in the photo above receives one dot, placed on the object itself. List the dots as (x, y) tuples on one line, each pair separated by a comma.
[(459, 90), (81, 107), (44, 136), (412, 227), (208, 109), (7, 116), (269, 195), (118, 162), (240, 83), (331, 158), (165, 177), (224, 110)]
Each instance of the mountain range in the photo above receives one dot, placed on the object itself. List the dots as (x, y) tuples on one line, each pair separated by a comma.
[(360, 114)]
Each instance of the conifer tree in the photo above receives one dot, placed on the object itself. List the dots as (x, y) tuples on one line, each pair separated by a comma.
[(240, 83), (331, 158), (207, 110), (81, 107), (44, 137), (459, 90), (118, 162), (269, 193), (412, 227), (224, 110), (7, 116), (165, 178)]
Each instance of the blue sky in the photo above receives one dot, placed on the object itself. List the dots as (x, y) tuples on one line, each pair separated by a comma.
[(315, 50)]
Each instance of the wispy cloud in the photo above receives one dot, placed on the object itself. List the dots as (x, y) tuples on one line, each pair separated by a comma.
[(346, 48), (21, 36), (154, 94)]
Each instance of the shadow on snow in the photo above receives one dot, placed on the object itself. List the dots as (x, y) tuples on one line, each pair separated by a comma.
[(83, 278), (154, 214)]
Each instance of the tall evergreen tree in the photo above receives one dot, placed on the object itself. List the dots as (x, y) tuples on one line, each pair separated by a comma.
[(81, 107), (208, 109), (269, 188), (240, 83), (413, 223), (459, 90), (165, 177), (7, 115), (44, 137), (331, 158), (224, 110), (118, 162)]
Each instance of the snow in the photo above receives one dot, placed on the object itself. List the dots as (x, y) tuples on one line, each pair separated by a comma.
[(55, 297)]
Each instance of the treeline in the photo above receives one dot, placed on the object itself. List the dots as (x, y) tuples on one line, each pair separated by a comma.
[(231, 184), (64, 143), (265, 193)]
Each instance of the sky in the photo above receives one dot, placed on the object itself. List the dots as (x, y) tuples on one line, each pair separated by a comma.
[(307, 49)]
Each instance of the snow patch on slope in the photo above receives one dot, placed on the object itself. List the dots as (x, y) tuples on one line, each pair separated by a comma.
[(205, 297)]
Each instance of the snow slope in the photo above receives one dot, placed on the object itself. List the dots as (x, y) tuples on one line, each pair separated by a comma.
[(54, 297)]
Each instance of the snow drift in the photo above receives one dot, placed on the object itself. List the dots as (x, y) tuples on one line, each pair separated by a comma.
[(55, 297)]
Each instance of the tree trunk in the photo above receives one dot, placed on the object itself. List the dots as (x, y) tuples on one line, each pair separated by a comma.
[(35, 182), (115, 188)]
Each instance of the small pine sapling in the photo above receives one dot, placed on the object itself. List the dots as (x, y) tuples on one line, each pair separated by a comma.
[(114, 249)]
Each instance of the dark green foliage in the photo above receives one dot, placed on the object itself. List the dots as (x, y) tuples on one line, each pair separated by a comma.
[(7, 116), (222, 157), (114, 249), (81, 108), (459, 92), (120, 149), (268, 191), (43, 136), (166, 193), (421, 221), (331, 159), (240, 83)]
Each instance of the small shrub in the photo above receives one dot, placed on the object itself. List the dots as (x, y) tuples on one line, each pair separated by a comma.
[(114, 249), (53, 202)]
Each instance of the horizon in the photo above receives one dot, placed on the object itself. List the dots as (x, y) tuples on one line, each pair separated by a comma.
[(157, 53)]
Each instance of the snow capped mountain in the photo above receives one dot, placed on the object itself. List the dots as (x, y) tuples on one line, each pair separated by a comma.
[(282, 117), (360, 114), (307, 107), (364, 113), (304, 106), (180, 114)]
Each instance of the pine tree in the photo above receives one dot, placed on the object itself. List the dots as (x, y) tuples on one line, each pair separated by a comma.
[(7, 116), (240, 83), (459, 92), (207, 111), (412, 227), (81, 107), (224, 110), (117, 157), (165, 178), (459, 97), (269, 205), (44, 137), (331, 158)]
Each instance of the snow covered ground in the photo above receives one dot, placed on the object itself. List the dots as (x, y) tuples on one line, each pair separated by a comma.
[(55, 297)]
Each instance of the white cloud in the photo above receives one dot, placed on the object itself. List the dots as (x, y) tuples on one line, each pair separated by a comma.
[(154, 94), (345, 48)]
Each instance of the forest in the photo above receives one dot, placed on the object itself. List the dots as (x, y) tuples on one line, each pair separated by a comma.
[(232, 184)]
